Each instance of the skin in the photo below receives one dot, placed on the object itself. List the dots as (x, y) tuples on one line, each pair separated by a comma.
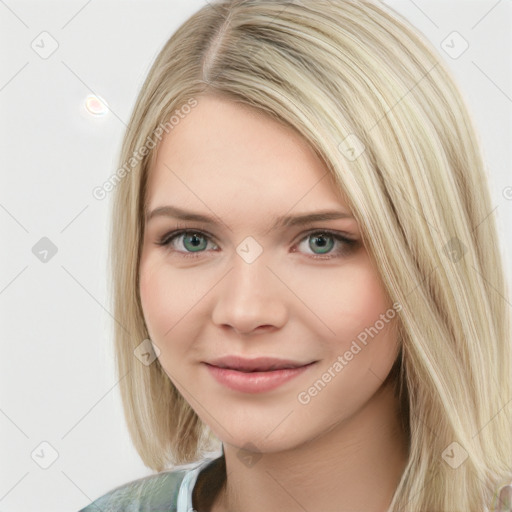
[(342, 451)]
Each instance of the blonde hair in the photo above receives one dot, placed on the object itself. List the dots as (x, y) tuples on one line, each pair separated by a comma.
[(381, 109)]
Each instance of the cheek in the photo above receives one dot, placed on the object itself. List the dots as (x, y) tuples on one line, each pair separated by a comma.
[(356, 308), (171, 303), (351, 298), (362, 346), (158, 299)]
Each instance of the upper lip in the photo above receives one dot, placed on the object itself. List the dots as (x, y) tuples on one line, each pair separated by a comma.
[(256, 364)]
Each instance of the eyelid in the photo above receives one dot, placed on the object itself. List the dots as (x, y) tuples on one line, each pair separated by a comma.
[(333, 232), (179, 230), (183, 227), (346, 241)]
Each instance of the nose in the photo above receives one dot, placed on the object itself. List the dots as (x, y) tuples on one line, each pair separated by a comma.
[(250, 298)]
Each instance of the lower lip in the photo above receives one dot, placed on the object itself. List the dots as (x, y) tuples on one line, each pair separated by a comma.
[(255, 382)]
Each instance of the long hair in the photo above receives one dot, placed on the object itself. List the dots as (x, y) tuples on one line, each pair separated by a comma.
[(380, 108)]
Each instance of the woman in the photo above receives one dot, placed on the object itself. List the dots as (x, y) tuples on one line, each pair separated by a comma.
[(306, 271)]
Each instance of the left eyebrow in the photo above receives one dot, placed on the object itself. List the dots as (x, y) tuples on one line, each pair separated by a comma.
[(283, 221)]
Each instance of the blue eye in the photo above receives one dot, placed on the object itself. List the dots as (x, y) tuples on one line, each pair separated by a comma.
[(195, 242)]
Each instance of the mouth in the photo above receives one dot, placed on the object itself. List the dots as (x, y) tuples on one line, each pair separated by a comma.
[(260, 364), (259, 378), (256, 370)]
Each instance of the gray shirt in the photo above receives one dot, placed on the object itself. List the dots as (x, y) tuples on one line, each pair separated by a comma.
[(167, 491)]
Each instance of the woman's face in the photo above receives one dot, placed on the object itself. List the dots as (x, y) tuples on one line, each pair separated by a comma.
[(240, 286)]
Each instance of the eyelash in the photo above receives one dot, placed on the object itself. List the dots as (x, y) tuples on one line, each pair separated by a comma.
[(350, 244)]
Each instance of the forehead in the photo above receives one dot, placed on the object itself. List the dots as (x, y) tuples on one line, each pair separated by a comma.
[(238, 162)]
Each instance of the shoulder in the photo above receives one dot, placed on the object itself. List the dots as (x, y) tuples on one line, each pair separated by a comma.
[(155, 493)]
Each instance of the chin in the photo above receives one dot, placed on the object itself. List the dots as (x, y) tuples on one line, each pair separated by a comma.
[(259, 443)]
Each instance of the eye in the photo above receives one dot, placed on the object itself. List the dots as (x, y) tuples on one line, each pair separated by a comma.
[(192, 240), (321, 245), (325, 240)]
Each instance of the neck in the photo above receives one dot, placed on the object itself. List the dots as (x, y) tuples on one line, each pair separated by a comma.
[(355, 465)]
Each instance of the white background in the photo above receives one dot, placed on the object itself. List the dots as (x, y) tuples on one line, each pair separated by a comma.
[(57, 377)]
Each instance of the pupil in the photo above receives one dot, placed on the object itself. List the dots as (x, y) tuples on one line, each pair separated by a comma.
[(194, 240), (321, 243)]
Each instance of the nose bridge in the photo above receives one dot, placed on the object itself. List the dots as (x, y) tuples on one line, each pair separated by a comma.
[(249, 295), (250, 280)]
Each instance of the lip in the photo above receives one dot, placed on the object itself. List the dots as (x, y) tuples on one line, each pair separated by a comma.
[(257, 381), (260, 364)]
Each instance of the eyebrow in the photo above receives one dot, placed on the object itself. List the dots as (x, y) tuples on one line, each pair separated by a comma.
[(280, 222)]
